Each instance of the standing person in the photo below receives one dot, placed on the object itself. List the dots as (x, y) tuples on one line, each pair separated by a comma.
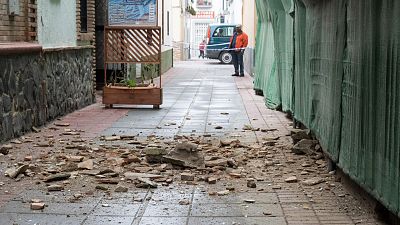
[(238, 43), (201, 48)]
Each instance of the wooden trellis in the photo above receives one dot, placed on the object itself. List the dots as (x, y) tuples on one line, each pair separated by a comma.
[(126, 44)]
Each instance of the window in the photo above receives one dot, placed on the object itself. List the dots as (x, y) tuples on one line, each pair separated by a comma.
[(83, 15), (223, 32)]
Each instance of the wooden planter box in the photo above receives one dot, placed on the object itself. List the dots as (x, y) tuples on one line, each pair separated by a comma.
[(132, 96)]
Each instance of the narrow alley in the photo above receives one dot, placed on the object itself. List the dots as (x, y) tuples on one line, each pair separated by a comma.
[(213, 154)]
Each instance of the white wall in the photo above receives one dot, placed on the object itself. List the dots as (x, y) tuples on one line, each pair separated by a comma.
[(57, 23), (235, 12)]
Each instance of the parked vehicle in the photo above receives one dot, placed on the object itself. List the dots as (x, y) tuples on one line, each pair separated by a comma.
[(218, 37)]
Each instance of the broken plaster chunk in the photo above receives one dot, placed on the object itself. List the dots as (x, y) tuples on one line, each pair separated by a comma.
[(187, 177), (291, 179), (37, 205)]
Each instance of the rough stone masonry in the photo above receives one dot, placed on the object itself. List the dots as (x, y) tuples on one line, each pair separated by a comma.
[(37, 88)]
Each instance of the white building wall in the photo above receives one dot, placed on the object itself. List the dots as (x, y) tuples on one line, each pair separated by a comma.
[(57, 23)]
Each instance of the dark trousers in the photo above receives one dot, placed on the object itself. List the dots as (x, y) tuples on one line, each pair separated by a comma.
[(201, 54), (237, 58)]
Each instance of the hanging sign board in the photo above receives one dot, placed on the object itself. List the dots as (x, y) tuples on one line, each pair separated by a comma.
[(132, 12)]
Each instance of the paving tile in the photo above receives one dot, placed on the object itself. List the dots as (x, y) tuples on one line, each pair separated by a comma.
[(51, 208), (236, 198), (162, 221), (237, 221), (236, 210), (108, 220), (116, 210), (170, 210), (42, 219)]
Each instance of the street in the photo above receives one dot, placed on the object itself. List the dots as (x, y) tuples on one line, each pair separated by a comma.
[(213, 154)]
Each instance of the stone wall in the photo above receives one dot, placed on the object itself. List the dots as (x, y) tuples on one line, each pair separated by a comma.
[(36, 88)]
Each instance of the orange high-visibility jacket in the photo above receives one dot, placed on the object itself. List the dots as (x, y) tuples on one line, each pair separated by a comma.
[(241, 41)]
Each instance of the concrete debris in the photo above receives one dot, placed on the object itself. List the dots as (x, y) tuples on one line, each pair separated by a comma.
[(38, 206), (298, 134), (251, 183), (184, 202), (304, 146), (5, 149), (145, 183), (222, 193), (88, 164), (154, 155), (112, 138), (291, 179), (187, 177), (14, 172), (57, 177), (121, 189), (217, 162), (211, 180), (313, 181), (186, 146), (55, 187), (134, 176)]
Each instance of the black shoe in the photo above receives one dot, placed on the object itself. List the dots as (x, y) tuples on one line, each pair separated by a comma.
[(241, 75), (235, 75)]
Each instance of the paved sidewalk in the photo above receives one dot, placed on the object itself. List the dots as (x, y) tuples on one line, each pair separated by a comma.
[(201, 100)]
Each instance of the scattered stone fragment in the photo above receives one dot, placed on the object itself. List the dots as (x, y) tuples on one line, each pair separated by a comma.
[(186, 146), (5, 149), (313, 181), (36, 200), (88, 164), (298, 134), (184, 202), (155, 155), (75, 158), (121, 189), (212, 193), (224, 192), (14, 172), (251, 184), (211, 180), (235, 175), (304, 146), (57, 177), (28, 158), (55, 187), (100, 187), (217, 162), (267, 213), (16, 141), (247, 127), (291, 179), (249, 201), (112, 138), (230, 188), (218, 127), (229, 142), (105, 205), (146, 183), (276, 187), (134, 176), (60, 124), (187, 177), (38, 206)]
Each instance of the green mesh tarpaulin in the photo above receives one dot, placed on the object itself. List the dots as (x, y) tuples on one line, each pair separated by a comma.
[(344, 83), (274, 52), (320, 39), (370, 139)]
